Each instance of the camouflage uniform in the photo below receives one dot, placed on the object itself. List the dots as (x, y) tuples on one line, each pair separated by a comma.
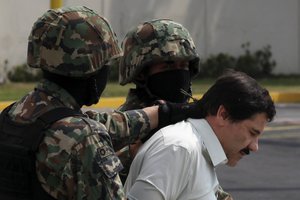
[(75, 159), (151, 42)]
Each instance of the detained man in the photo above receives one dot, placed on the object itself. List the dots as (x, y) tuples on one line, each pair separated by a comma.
[(179, 161)]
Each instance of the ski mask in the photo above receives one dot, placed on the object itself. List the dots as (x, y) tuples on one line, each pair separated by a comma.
[(96, 85), (167, 85), (85, 91)]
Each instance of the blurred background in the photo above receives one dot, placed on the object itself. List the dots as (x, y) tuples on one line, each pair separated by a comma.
[(230, 27), (259, 37)]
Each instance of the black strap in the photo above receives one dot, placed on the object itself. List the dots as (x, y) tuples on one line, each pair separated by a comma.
[(29, 135)]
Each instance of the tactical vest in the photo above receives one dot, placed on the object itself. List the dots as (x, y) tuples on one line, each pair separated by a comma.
[(18, 146)]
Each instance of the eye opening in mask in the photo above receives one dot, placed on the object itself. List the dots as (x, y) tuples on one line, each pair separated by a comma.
[(159, 67)]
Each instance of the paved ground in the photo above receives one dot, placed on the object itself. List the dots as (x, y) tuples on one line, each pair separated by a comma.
[(274, 172)]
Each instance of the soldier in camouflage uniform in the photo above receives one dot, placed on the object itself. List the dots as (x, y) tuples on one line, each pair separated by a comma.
[(75, 160), (160, 58)]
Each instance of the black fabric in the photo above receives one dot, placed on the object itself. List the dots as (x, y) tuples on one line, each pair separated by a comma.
[(171, 113), (96, 85), (18, 146), (85, 90), (166, 85)]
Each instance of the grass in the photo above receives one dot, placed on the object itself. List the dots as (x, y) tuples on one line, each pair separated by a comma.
[(14, 91)]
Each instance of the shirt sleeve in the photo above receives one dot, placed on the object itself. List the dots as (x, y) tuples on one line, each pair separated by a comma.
[(137, 192), (123, 127), (166, 170)]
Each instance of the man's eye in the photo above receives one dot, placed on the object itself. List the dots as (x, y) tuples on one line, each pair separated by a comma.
[(169, 62), (186, 66), (253, 133)]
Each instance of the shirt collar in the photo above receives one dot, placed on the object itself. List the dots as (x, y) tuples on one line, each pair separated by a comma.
[(211, 142)]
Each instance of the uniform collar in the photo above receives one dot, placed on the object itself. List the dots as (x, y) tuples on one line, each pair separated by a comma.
[(58, 92), (210, 140), (136, 99)]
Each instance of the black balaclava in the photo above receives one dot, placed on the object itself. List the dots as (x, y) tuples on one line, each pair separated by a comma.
[(97, 84), (86, 91), (167, 85)]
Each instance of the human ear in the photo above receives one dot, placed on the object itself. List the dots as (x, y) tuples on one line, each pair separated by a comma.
[(222, 114)]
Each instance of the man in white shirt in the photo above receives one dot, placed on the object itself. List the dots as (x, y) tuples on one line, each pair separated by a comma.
[(178, 162)]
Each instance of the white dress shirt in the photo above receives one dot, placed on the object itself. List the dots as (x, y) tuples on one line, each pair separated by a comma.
[(177, 162)]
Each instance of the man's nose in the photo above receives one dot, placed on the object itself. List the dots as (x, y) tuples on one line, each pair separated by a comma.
[(254, 145)]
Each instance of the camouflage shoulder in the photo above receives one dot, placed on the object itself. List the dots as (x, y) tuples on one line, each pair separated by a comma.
[(123, 127), (72, 146)]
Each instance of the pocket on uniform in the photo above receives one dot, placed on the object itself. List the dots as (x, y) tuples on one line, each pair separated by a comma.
[(108, 162)]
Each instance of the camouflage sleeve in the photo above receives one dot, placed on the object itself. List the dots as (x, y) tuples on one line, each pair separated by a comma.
[(123, 127), (222, 195), (77, 162)]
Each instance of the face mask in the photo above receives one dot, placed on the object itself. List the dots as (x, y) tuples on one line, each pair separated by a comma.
[(97, 85), (166, 85)]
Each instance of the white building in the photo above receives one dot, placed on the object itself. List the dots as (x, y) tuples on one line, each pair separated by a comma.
[(216, 25)]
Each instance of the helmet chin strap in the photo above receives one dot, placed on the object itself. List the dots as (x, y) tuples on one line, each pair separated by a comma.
[(188, 94)]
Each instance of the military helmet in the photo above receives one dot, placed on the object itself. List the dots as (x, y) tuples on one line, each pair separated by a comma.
[(155, 41), (74, 42)]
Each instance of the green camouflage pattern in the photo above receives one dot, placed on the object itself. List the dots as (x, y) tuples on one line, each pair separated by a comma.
[(136, 99), (124, 127), (222, 195), (156, 41), (72, 41), (76, 159)]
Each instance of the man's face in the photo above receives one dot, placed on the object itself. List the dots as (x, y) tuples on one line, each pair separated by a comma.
[(239, 138), (166, 80)]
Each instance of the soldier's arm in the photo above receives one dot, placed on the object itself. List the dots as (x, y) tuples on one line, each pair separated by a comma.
[(124, 127)]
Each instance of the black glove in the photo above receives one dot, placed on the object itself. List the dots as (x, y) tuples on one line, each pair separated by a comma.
[(171, 113)]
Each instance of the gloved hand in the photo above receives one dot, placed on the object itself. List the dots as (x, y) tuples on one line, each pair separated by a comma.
[(171, 113)]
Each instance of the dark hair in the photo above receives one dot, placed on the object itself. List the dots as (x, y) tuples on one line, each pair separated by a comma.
[(241, 96)]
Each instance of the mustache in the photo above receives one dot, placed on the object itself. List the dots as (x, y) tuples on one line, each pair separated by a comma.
[(246, 151)]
